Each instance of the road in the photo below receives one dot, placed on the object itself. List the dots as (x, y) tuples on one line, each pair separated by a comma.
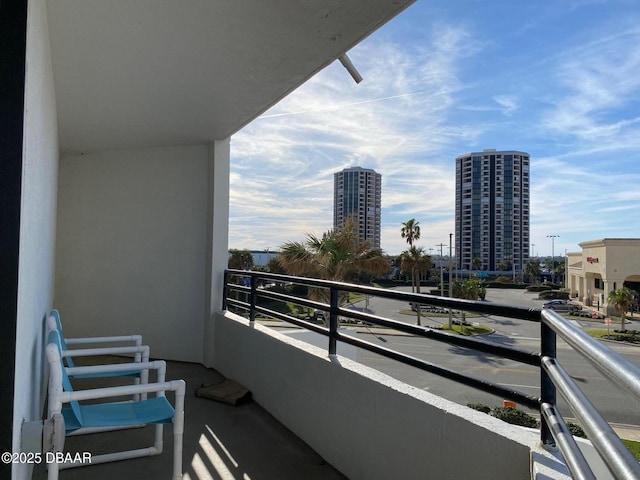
[(614, 404)]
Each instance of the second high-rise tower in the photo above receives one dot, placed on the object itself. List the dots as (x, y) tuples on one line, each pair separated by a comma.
[(492, 210), (357, 193)]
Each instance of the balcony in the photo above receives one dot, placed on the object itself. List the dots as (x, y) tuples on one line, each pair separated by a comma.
[(318, 414)]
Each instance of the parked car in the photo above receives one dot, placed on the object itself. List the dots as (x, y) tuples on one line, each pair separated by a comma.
[(562, 306)]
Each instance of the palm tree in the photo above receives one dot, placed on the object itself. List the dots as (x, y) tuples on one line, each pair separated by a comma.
[(476, 263), (621, 299), (414, 260), (411, 231), (532, 269), (337, 255)]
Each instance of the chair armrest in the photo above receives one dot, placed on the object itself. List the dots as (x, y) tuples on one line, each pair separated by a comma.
[(177, 386), (86, 352), (159, 365), (137, 339)]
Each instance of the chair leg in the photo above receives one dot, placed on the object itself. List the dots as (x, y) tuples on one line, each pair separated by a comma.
[(158, 442), (52, 471), (178, 431)]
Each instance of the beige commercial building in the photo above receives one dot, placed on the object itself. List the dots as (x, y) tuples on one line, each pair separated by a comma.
[(603, 266)]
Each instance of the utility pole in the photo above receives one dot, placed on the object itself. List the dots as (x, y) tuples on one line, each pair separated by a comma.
[(450, 262), (450, 279), (441, 271)]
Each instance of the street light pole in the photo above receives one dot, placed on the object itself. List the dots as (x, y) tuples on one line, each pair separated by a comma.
[(553, 258)]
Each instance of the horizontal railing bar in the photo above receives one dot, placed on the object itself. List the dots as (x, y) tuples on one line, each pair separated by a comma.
[(523, 356), (238, 303), (529, 358), (620, 462), (486, 386), (295, 321), (521, 313), (283, 297), (235, 287), (611, 364), (577, 464)]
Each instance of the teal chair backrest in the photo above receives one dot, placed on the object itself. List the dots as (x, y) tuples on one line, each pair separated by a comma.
[(56, 316), (55, 339)]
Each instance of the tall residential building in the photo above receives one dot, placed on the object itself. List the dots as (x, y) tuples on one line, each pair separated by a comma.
[(357, 193), (492, 209)]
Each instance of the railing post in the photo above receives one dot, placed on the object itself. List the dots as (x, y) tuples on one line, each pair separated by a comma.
[(225, 290), (254, 289), (547, 387), (333, 320)]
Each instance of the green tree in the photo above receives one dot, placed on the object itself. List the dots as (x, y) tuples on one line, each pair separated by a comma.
[(240, 259), (621, 299), (337, 255), (476, 263), (532, 270), (414, 260), (273, 266), (504, 266), (410, 231), (469, 290)]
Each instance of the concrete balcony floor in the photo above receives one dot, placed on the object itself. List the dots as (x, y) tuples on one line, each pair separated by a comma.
[(220, 442)]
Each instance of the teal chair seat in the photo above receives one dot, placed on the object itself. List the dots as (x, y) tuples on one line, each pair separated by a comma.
[(153, 410)]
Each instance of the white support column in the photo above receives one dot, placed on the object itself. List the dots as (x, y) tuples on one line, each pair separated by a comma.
[(217, 239)]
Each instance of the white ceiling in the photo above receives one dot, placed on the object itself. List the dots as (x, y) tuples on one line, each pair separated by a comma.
[(140, 73)]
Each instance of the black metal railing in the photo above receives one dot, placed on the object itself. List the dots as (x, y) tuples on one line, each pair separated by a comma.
[(243, 295)]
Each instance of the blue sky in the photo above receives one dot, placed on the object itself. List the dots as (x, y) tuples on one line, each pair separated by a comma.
[(557, 79)]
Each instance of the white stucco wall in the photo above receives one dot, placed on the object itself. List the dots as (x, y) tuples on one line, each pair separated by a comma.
[(37, 226), (367, 424), (132, 246)]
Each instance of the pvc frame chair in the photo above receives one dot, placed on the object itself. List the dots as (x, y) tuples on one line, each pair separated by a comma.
[(54, 323), (64, 403), (140, 352)]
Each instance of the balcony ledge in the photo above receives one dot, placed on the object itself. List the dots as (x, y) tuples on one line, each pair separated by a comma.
[(367, 424)]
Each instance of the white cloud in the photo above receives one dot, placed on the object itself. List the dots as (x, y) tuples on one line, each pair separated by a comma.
[(508, 103), (571, 104), (394, 122)]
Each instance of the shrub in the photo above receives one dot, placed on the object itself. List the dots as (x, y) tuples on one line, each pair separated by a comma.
[(539, 288), (553, 294), (576, 430), (481, 407), (515, 416), (503, 279)]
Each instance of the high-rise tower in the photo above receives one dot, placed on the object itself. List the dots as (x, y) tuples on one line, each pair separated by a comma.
[(357, 193), (492, 210)]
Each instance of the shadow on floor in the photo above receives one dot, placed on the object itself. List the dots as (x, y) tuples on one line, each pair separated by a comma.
[(220, 442)]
